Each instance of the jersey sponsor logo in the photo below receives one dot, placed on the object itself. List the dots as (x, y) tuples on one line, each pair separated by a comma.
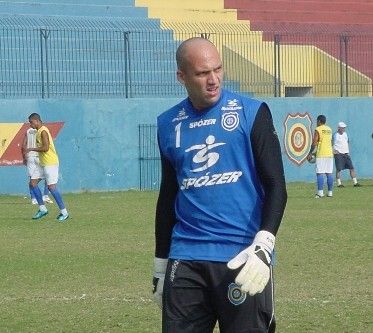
[(205, 122), (210, 180), (208, 158), (203, 155), (230, 121), (297, 137), (326, 131), (235, 295), (232, 105), (181, 115)]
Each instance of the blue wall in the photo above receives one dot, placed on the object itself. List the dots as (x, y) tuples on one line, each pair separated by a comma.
[(98, 144), (357, 113)]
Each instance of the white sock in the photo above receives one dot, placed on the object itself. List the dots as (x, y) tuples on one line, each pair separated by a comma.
[(354, 180), (43, 208), (339, 181), (64, 212), (320, 193)]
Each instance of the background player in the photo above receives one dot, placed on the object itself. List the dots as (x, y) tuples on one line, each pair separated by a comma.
[(31, 160), (322, 143), (342, 157), (50, 163), (220, 204)]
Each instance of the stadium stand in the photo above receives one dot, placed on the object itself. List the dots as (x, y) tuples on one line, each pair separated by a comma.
[(95, 8), (83, 56), (310, 52), (125, 48), (304, 11), (347, 17)]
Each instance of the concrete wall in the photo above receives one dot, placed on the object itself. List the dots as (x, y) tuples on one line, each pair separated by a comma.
[(98, 144), (355, 112)]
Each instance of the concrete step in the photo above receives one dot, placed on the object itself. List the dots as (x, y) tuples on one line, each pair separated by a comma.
[(66, 9)]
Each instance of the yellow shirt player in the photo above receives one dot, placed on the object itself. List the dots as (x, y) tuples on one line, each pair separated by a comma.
[(322, 144), (50, 156), (49, 162)]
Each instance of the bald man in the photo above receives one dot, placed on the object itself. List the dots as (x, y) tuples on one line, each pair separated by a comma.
[(220, 203)]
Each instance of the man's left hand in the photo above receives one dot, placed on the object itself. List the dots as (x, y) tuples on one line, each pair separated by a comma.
[(256, 259)]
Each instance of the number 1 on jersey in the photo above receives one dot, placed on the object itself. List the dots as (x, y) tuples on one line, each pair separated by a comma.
[(177, 130)]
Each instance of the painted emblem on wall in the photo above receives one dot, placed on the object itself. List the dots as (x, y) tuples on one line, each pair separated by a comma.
[(297, 136), (11, 138)]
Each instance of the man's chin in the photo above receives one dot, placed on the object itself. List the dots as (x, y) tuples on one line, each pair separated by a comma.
[(213, 96)]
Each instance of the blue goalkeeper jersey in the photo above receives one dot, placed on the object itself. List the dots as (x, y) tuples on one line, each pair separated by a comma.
[(219, 200)]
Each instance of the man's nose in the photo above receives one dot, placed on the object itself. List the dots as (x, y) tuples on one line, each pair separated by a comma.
[(212, 78)]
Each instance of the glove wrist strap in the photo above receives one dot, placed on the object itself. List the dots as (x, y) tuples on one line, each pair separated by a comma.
[(265, 239)]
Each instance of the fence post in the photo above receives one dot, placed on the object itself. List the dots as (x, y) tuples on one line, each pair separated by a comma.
[(344, 65), (277, 80), (345, 40), (44, 35), (127, 65), (341, 65), (41, 63)]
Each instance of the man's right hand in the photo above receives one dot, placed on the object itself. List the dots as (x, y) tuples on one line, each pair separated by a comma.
[(160, 266)]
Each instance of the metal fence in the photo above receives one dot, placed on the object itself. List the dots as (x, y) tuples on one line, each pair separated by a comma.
[(149, 159), (88, 63)]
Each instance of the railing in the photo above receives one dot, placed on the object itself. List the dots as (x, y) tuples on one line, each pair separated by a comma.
[(86, 63)]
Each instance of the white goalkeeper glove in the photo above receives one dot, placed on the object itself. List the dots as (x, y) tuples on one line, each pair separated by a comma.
[(256, 259), (160, 266)]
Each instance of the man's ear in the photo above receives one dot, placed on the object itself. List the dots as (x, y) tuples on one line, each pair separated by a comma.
[(180, 76)]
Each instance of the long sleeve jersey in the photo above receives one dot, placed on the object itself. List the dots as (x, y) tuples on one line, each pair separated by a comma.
[(222, 178)]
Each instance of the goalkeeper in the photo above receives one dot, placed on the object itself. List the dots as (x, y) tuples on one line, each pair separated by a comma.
[(221, 201)]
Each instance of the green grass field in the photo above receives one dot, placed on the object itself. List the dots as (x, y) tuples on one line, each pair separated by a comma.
[(93, 273)]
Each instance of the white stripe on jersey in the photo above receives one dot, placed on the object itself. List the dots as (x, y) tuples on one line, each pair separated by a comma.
[(31, 141)]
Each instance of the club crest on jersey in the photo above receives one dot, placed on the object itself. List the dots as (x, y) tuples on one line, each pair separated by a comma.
[(235, 295), (230, 121)]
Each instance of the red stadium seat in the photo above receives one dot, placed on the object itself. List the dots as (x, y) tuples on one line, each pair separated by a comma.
[(353, 18)]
